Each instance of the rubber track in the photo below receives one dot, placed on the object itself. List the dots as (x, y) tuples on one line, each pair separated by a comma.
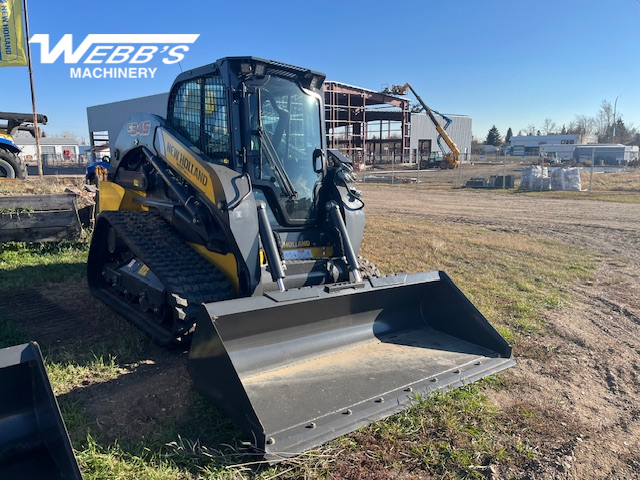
[(183, 272)]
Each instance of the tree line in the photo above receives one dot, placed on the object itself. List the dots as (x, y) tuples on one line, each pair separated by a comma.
[(600, 125)]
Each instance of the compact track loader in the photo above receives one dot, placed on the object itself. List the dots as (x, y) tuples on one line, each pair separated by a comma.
[(231, 226)]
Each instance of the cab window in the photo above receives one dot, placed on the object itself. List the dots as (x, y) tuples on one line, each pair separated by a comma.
[(198, 111)]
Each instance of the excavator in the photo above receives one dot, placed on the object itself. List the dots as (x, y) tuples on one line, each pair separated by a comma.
[(230, 229), (450, 160)]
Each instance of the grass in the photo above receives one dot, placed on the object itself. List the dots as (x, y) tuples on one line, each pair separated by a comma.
[(11, 334), (613, 181), (16, 212), (595, 195), (39, 186), (24, 264), (193, 448), (513, 279), (456, 431), (99, 463), (70, 375)]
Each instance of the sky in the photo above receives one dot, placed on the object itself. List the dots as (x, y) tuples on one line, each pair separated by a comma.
[(507, 63)]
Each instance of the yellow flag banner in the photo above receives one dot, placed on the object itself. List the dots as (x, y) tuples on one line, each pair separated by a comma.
[(12, 51)]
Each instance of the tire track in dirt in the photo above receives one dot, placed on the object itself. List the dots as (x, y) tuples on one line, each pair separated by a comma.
[(63, 315)]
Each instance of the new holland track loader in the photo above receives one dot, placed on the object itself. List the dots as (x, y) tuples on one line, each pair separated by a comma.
[(231, 226)]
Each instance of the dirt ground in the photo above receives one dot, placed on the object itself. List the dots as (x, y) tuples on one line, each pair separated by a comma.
[(591, 371)]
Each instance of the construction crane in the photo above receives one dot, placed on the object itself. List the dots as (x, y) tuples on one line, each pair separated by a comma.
[(451, 159)]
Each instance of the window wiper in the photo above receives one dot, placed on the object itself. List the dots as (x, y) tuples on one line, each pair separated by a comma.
[(277, 165)]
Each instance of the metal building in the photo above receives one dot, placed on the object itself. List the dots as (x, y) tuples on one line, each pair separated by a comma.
[(105, 121), (563, 144), (606, 154), (424, 136)]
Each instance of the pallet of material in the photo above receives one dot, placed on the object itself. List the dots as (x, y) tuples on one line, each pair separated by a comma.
[(39, 218)]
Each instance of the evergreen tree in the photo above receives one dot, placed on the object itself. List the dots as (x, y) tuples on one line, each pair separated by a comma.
[(493, 137), (508, 136)]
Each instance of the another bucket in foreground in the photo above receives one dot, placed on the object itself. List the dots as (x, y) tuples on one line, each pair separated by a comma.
[(34, 442)]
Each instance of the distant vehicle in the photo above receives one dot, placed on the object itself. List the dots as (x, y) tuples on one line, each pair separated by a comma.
[(434, 160), (548, 158), (12, 166)]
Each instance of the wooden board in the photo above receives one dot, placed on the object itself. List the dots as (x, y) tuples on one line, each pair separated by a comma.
[(39, 218)]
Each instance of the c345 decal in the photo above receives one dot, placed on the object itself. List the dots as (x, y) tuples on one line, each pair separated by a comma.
[(139, 128)]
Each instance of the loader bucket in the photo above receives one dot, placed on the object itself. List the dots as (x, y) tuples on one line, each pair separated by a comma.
[(295, 369), (33, 438)]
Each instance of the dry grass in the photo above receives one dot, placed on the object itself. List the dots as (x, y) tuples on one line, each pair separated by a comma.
[(610, 186), (614, 181), (39, 186), (510, 277)]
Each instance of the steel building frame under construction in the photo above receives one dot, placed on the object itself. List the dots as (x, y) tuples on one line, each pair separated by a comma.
[(367, 126)]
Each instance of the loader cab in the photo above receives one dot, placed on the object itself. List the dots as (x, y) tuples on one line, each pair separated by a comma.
[(261, 118)]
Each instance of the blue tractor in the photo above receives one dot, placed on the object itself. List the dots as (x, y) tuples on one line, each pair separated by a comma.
[(12, 166)]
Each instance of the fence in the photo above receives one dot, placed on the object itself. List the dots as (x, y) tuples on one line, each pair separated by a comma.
[(503, 174), (58, 164), (472, 170)]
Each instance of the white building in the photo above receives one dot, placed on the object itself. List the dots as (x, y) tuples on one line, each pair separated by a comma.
[(105, 121), (424, 135), (55, 150), (606, 154), (562, 145)]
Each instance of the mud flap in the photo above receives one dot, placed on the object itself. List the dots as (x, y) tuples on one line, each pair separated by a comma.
[(295, 369), (34, 442)]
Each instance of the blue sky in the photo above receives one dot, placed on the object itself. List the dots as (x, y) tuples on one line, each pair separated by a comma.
[(508, 63)]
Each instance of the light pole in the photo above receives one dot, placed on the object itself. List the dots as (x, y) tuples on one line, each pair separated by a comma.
[(615, 104)]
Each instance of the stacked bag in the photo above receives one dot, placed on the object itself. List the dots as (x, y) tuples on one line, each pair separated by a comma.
[(566, 179), (537, 178)]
